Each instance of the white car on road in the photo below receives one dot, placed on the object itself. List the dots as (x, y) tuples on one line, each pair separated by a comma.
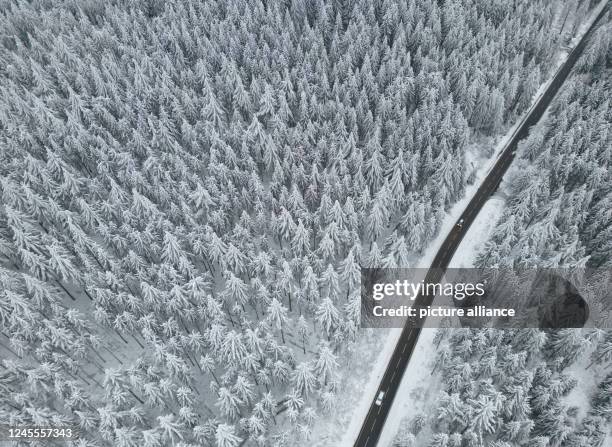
[(379, 398)]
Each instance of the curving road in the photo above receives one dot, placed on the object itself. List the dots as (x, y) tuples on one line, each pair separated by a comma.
[(375, 420)]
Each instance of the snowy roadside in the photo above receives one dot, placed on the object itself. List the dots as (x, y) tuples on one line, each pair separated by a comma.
[(417, 391), (480, 231), (588, 379), (349, 409)]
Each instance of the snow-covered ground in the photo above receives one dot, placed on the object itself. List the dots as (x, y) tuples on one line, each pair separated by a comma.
[(374, 347), (480, 231), (588, 379), (365, 391)]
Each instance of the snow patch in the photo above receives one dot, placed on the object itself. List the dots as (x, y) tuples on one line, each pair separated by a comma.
[(357, 389), (479, 232)]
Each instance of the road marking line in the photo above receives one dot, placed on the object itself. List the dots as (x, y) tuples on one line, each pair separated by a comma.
[(404, 348), (367, 439), (393, 376)]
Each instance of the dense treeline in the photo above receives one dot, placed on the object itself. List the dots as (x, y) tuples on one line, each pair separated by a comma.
[(195, 185), (559, 203), (509, 388)]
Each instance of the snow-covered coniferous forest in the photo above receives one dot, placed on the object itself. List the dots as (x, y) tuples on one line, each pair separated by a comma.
[(189, 190)]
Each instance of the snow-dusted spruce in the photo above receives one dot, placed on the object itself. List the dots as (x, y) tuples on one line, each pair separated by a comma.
[(189, 187), (509, 388)]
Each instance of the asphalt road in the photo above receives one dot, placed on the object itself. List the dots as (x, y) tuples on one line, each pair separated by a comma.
[(375, 420)]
